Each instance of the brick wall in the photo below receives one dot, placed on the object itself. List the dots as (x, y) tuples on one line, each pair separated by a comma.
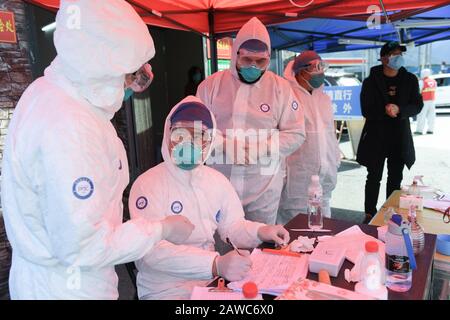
[(15, 67)]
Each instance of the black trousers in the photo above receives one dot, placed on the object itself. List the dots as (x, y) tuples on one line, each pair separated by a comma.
[(395, 165)]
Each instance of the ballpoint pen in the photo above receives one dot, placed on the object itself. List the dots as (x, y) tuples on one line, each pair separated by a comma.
[(234, 247), (311, 230)]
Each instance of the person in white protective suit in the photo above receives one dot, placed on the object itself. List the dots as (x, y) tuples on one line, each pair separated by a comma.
[(319, 154), (182, 185), (65, 169), (251, 98)]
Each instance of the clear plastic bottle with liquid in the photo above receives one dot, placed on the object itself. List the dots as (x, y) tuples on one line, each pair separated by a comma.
[(315, 217), (417, 232), (372, 277), (414, 189), (399, 259), (388, 214)]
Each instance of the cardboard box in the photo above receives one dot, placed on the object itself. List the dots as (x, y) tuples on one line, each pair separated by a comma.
[(325, 258)]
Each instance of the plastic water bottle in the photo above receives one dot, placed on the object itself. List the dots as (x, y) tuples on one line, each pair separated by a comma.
[(414, 189), (417, 232), (388, 214), (372, 277), (399, 255), (315, 218)]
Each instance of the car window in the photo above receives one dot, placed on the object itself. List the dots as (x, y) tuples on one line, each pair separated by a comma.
[(348, 82), (443, 82)]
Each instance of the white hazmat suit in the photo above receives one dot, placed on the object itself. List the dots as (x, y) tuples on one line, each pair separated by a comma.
[(267, 104), (318, 155), (208, 200), (65, 169)]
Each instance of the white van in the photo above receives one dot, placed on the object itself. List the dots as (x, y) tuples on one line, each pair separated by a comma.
[(442, 92)]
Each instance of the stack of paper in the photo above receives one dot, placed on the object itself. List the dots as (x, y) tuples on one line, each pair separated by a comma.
[(204, 293), (353, 240), (311, 290), (441, 204), (273, 274)]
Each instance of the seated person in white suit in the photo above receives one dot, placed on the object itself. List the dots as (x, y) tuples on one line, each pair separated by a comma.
[(182, 185)]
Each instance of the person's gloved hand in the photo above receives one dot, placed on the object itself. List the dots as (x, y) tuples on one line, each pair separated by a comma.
[(176, 229), (232, 266), (277, 234)]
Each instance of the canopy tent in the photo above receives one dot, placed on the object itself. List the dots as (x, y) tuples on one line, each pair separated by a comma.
[(328, 35), (215, 17), (230, 15)]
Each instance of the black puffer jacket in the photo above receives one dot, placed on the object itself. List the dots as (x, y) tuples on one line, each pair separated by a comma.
[(379, 129)]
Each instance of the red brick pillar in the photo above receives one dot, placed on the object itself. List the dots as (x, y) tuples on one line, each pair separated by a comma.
[(15, 76), (15, 67)]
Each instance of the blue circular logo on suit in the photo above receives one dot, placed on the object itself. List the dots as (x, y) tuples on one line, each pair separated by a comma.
[(177, 207), (83, 188), (141, 203), (295, 105), (265, 107), (218, 216)]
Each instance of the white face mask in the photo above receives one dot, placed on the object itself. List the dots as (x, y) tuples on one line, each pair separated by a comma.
[(106, 95)]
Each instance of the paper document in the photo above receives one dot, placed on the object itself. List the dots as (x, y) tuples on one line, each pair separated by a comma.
[(203, 293), (311, 290), (439, 205), (353, 240), (273, 273)]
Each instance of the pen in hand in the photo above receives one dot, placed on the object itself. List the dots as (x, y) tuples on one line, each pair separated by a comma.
[(234, 247)]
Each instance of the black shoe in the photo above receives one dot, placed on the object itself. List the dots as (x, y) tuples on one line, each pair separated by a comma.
[(417, 133), (429, 132), (368, 218)]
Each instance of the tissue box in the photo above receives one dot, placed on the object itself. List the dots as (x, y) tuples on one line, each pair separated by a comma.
[(406, 201), (329, 259)]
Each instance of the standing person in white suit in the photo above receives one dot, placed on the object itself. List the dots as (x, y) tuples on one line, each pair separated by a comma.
[(65, 169), (249, 97), (319, 154), (182, 185)]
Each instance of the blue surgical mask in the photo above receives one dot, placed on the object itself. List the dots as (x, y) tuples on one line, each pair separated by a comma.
[(187, 155), (128, 94), (396, 62), (250, 74), (317, 80)]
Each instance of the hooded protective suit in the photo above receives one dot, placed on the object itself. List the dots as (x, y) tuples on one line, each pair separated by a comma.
[(318, 155), (267, 104), (65, 169), (208, 200)]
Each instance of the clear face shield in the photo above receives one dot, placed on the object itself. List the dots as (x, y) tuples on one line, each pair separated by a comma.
[(140, 80), (189, 143), (316, 66), (248, 59)]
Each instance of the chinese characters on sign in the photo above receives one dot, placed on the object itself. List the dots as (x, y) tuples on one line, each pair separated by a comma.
[(7, 27), (345, 102), (224, 46)]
